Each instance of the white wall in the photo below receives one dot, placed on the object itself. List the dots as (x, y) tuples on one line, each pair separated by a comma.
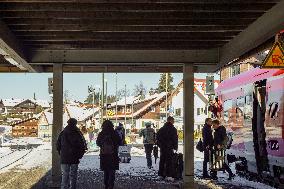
[(177, 102)]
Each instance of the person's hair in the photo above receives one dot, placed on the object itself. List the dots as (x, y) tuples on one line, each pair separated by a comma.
[(148, 125), (107, 126), (207, 119), (216, 122), (170, 118), (72, 122)]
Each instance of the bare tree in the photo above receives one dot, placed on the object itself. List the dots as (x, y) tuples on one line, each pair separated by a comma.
[(140, 89)]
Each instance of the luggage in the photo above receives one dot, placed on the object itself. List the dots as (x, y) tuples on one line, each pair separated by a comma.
[(177, 165), (124, 154), (155, 152), (199, 146), (216, 159)]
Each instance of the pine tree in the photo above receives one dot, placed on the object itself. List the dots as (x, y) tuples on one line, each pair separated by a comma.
[(162, 83)]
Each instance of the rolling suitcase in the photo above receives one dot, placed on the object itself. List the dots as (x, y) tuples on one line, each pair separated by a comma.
[(216, 159), (124, 153), (177, 165)]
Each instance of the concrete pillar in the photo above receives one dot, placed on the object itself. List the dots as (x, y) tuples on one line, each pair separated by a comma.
[(57, 122), (188, 128)]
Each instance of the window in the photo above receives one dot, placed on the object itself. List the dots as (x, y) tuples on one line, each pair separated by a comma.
[(178, 112), (152, 109), (248, 99), (198, 111), (240, 107), (228, 105), (236, 70), (206, 110), (273, 109)]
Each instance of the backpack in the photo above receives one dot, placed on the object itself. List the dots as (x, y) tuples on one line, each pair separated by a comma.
[(120, 133), (149, 136), (108, 146)]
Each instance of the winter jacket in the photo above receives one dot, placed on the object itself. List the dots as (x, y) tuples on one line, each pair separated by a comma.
[(71, 145), (167, 138), (121, 133), (207, 136), (109, 162), (149, 135), (220, 135)]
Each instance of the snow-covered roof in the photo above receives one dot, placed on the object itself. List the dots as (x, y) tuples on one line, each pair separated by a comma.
[(42, 103), (49, 117), (79, 113), (130, 99), (11, 102), (14, 102)]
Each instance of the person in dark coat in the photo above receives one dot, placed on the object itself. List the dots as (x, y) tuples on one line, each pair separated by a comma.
[(121, 133), (207, 139), (167, 140), (108, 141), (71, 147), (219, 138)]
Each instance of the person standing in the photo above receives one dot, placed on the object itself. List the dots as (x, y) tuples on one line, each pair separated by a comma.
[(108, 141), (149, 139), (207, 139), (167, 140), (121, 133), (219, 141), (71, 147)]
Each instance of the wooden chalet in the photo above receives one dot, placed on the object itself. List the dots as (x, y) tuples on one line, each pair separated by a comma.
[(25, 128)]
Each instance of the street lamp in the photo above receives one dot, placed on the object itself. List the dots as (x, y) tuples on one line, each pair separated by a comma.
[(91, 89), (138, 98), (106, 98)]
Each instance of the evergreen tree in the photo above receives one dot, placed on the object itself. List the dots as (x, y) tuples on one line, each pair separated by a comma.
[(89, 99), (162, 83)]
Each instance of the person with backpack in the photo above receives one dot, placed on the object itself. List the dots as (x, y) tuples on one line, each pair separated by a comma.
[(71, 147), (220, 145), (167, 140), (149, 139), (108, 141), (207, 139), (121, 133)]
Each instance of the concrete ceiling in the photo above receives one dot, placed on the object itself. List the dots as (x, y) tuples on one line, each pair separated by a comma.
[(134, 36)]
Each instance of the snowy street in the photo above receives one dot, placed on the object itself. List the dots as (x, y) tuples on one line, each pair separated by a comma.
[(32, 164)]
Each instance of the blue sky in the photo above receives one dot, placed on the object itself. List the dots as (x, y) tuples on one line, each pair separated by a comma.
[(21, 85)]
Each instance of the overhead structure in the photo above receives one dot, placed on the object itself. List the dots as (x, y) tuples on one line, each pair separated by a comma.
[(125, 35), (133, 36)]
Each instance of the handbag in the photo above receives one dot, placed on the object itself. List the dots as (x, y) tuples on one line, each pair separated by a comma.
[(199, 146)]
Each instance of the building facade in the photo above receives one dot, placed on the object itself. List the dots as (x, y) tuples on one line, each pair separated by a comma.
[(25, 128)]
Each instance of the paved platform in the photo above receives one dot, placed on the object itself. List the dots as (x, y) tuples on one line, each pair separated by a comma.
[(88, 179)]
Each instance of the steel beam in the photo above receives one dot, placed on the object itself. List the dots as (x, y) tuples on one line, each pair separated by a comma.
[(129, 22), (257, 33), (12, 49), (165, 6), (124, 57)]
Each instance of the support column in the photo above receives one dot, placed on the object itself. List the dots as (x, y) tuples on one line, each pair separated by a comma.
[(188, 125), (57, 121)]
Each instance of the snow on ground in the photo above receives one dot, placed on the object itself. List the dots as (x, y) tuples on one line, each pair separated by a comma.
[(41, 156), (4, 151)]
